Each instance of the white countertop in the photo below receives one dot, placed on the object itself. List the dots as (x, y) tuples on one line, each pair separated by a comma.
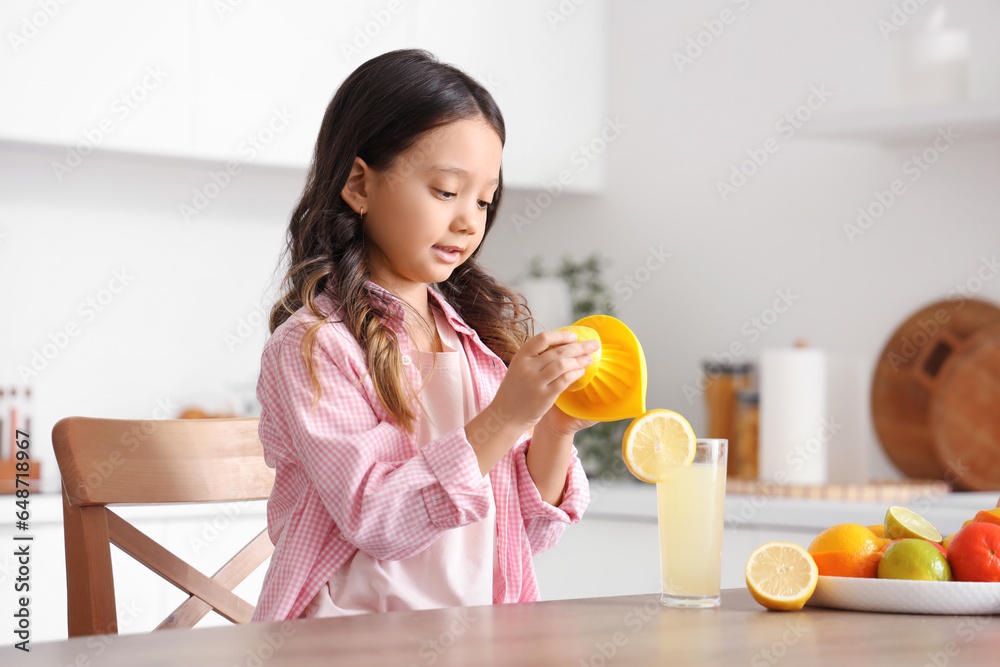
[(635, 501)]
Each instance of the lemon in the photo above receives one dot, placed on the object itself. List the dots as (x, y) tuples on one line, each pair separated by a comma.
[(582, 334), (781, 576), (901, 522), (655, 440), (914, 558)]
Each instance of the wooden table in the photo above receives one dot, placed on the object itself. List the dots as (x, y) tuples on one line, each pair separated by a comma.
[(597, 632)]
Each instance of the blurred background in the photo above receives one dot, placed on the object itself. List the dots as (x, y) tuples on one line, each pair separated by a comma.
[(733, 176)]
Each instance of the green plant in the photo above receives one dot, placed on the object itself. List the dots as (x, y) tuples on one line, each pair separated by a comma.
[(599, 446)]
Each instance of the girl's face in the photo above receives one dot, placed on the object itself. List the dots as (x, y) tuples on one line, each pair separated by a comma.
[(426, 213)]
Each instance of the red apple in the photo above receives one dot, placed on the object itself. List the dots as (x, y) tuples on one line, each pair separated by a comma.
[(974, 554)]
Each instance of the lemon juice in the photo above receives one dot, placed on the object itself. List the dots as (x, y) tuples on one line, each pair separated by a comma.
[(690, 501)]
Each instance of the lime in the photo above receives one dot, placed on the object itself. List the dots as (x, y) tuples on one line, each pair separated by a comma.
[(901, 522), (914, 558)]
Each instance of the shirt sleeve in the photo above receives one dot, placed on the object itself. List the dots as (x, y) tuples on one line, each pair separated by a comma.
[(386, 498), (545, 523)]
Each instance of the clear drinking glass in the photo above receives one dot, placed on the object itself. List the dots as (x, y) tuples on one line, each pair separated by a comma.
[(690, 503)]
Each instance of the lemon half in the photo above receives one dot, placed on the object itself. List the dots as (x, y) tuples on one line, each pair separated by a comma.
[(655, 440)]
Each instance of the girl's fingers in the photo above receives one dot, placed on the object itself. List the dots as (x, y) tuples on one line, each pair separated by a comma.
[(540, 343), (565, 368)]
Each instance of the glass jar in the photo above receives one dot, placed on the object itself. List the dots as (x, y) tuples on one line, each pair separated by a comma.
[(722, 382), (743, 452)]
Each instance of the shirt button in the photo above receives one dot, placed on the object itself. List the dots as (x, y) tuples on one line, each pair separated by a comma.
[(406, 360)]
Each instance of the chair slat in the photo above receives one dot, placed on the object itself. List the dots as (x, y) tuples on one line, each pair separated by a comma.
[(164, 563), (229, 575)]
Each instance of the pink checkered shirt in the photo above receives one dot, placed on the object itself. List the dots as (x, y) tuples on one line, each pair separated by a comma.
[(348, 479)]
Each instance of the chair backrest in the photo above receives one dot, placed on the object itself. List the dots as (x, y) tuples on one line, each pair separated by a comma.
[(117, 461)]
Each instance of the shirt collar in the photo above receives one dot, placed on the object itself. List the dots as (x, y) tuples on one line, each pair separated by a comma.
[(449, 311)]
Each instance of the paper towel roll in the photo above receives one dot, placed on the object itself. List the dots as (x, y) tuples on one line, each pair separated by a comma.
[(793, 429)]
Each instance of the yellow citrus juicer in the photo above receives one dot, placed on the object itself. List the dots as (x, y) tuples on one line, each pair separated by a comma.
[(618, 389)]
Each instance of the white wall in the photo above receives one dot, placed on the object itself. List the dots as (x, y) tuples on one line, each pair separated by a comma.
[(784, 228), (162, 337)]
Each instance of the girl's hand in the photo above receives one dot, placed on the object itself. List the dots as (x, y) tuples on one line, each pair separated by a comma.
[(561, 423), (541, 370)]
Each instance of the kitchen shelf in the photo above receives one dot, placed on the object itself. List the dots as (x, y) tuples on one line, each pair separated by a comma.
[(902, 125)]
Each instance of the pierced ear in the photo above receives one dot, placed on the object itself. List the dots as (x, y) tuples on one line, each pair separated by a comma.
[(355, 191)]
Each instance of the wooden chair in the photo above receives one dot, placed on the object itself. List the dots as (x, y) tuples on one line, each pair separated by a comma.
[(113, 461)]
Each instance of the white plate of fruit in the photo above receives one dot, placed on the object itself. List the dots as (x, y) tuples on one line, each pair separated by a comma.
[(902, 566)]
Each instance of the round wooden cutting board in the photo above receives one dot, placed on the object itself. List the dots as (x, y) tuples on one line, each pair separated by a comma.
[(965, 412), (905, 376)]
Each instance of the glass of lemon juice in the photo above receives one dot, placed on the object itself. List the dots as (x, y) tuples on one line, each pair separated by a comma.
[(690, 501)]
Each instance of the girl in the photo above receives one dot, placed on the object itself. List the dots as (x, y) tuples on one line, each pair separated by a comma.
[(419, 459)]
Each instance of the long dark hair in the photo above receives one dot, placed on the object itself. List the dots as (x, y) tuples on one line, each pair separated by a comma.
[(378, 113)]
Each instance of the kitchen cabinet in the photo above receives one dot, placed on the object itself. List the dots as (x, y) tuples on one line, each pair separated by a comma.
[(107, 75), (249, 82)]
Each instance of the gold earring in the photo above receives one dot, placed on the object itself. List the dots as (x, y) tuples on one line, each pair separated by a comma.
[(361, 214)]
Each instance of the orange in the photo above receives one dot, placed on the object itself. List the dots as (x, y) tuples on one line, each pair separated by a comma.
[(974, 554), (847, 550), (988, 516), (847, 563), (847, 537), (582, 334), (657, 439), (878, 529)]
